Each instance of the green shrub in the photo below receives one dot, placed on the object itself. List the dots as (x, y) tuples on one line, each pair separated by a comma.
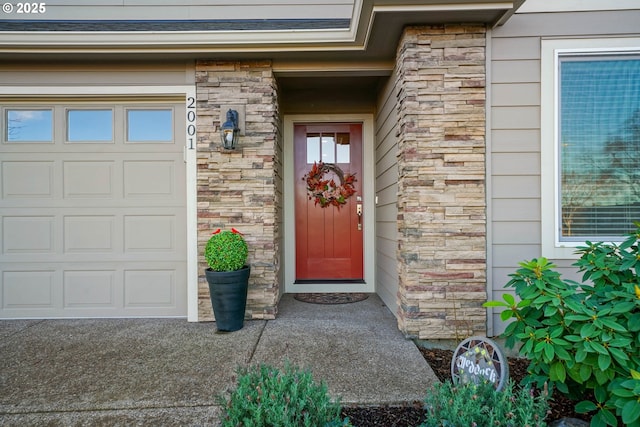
[(226, 251), (449, 405), (268, 397), (582, 338)]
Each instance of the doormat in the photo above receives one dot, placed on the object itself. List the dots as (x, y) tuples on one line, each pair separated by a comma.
[(331, 298)]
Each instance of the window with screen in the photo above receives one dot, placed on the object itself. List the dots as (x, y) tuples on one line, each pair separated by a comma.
[(598, 144)]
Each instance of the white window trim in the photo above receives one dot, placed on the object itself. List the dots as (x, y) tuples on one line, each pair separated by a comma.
[(551, 51)]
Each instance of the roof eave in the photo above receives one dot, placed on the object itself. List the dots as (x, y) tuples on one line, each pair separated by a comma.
[(284, 43)]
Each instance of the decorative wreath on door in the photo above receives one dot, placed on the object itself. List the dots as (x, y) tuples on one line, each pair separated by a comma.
[(327, 192)]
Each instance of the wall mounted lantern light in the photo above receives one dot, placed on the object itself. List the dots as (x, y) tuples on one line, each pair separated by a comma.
[(229, 130)]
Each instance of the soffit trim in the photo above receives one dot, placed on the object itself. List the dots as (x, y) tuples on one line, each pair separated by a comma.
[(247, 42)]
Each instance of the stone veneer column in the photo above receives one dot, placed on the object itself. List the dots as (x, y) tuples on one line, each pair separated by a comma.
[(241, 188), (441, 187)]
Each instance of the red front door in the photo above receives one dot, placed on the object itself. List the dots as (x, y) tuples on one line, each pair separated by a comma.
[(328, 202)]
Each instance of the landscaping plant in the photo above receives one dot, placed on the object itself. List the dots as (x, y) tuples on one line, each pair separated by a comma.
[(268, 397), (582, 339), (480, 405), (226, 250)]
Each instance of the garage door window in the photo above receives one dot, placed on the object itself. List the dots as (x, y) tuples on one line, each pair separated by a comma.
[(28, 125), (90, 125), (149, 125)]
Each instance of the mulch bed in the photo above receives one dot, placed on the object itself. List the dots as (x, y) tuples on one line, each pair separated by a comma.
[(412, 415)]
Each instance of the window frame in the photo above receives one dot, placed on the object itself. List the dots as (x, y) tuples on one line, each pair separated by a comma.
[(552, 50)]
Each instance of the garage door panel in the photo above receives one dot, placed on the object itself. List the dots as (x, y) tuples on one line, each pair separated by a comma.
[(149, 179), (149, 288), (90, 233), (87, 234), (106, 289), (149, 233), (90, 289), (28, 234), (27, 179), (28, 289), (89, 179)]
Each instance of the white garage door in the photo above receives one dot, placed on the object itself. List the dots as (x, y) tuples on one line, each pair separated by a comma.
[(93, 209)]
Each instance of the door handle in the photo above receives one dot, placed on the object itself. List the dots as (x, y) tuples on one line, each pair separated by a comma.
[(359, 213)]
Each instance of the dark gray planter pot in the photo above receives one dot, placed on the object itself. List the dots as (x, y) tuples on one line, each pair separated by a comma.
[(228, 290)]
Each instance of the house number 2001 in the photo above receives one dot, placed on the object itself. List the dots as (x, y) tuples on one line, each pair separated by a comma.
[(191, 121)]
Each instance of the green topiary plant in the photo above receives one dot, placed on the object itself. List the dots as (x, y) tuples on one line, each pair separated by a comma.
[(583, 338), (480, 405), (267, 397), (226, 251)]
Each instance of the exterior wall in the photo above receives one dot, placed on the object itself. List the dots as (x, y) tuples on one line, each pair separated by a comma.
[(441, 187), (241, 188), (97, 74), (515, 201), (387, 125)]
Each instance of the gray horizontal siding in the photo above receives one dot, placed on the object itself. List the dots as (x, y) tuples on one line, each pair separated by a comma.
[(522, 94), (570, 24), (516, 71), (99, 74), (508, 256), (516, 209), (513, 165), (528, 185), (515, 117), (515, 217), (515, 140), (387, 196)]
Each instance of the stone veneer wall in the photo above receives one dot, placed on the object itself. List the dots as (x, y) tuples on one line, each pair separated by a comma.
[(241, 188), (441, 187)]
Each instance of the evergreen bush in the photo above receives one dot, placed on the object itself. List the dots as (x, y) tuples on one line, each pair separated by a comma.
[(480, 405), (583, 339), (269, 397)]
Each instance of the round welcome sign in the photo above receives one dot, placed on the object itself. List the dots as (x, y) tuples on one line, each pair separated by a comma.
[(479, 359)]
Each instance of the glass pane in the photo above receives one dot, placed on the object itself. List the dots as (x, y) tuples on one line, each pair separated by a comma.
[(328, 148), (313, 147), (150, 125), (90, 126), (29, 126), (343, 152), (600, 147)]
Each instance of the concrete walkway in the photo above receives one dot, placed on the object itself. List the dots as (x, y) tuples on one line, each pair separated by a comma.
[(171, 372)]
